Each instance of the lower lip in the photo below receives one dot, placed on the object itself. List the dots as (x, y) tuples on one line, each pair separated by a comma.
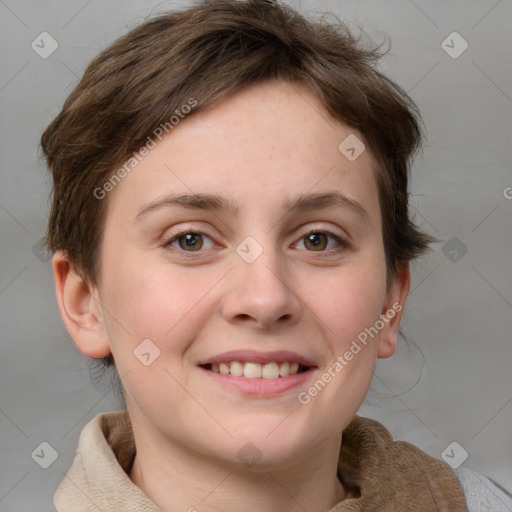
[(260, 387)]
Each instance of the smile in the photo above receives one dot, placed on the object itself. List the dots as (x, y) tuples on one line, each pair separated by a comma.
[(252, 370), (259, 374)]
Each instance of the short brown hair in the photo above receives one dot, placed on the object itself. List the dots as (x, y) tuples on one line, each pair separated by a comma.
[(209, 51)]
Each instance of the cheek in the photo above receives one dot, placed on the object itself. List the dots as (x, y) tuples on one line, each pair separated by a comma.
[(349, 301), (156, 302), (159, 306)]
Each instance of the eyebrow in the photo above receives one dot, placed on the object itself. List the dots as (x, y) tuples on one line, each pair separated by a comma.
[(300, 203)]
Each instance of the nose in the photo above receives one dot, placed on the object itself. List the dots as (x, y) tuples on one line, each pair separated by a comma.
[(261, 294)]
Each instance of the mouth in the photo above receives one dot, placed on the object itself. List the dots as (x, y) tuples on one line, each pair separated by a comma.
[(254, 370), (259, 374)]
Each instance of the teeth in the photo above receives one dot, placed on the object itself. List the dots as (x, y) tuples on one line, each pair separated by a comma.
[(268, 371), (236, 369), (284, 369), (252, 370)]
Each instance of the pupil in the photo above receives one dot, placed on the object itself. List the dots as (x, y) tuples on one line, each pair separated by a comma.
[(191, 241), (315, 241)]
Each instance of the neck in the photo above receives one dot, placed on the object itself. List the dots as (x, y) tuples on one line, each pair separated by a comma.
[(179, 479)]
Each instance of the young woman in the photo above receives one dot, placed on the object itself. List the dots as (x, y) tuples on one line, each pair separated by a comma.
[(230, 229)]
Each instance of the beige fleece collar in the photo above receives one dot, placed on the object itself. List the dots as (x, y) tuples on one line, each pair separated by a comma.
[(391, 475)]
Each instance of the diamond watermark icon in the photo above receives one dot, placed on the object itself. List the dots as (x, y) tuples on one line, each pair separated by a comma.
[(45, 455), (40, 251), (454, 455), (351, 147), (249, 455), (44, 45), (454, 249), (454, 45), (147, 352), (249, 249)]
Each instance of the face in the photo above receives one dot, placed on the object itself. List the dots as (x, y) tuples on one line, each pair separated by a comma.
[(246, 283)]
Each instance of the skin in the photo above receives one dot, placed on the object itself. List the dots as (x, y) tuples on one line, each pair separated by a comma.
[(258, 147)]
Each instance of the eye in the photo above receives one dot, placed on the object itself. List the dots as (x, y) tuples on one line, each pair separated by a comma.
[(318, 241), (189, 241)]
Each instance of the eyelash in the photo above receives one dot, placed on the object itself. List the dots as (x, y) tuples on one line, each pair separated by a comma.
[(191, 254)]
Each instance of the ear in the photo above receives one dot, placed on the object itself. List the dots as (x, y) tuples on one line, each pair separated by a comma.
[(391, 315), (80, 308)]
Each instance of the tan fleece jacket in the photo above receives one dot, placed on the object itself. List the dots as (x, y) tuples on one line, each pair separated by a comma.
[(392, 475)]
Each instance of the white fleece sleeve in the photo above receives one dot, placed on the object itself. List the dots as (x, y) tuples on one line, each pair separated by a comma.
[(482, 493)]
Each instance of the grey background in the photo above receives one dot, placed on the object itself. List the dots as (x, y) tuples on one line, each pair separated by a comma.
[(459, 310)]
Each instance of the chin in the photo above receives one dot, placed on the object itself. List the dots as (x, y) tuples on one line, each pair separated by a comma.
[(269, 444)]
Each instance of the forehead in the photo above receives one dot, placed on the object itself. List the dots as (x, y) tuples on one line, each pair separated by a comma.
[(254, 147)]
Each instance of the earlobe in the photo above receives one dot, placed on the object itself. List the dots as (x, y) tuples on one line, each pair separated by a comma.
[(80, 309), (393, 311)]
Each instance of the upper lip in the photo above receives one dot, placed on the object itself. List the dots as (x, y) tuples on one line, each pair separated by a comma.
[(253, 356)]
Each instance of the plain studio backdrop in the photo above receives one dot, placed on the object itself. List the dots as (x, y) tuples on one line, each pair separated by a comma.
[(454, 59)]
